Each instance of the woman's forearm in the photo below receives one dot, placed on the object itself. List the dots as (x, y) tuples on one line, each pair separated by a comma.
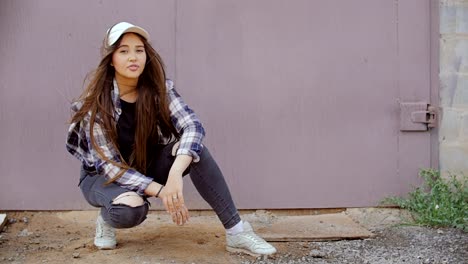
[(180, 164)]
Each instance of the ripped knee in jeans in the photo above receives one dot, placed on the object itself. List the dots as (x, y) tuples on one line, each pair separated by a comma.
[(131, 199), (125, 216)]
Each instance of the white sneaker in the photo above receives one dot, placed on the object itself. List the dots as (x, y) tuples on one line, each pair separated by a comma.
[(105, 235), (248, 242)]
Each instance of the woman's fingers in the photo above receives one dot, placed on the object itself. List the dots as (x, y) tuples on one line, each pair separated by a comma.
[(179, 216), (182, 211), (171, 208), (180, 198), (185, 213), (183, 208), (175, 206)]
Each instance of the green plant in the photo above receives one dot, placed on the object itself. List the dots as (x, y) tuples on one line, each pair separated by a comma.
[(439, 202)]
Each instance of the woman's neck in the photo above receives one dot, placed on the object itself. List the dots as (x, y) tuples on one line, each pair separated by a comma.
[(127, 89)]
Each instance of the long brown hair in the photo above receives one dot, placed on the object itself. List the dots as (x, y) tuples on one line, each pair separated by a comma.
[(152, 107)]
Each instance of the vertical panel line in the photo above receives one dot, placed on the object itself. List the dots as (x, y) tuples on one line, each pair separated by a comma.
[(175, 39), (397, 81), (434, 62)]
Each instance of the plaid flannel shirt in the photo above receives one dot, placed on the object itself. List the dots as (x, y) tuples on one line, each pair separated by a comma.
[(79, 144)]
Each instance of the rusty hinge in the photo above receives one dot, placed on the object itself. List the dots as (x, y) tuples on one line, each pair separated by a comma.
[(417, 116)]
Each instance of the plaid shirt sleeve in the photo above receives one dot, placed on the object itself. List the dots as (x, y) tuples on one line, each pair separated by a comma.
[(79, 144), (186, 123)]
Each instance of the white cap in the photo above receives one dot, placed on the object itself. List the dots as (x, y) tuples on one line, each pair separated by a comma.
[(114, 33)]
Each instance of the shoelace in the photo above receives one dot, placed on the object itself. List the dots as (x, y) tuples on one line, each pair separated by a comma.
[(105, 231), (255, 238)]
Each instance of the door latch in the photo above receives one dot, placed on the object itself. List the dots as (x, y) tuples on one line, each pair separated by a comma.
[(417, 116)]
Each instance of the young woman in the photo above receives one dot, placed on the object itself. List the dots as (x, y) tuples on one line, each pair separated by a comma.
[(136, 138)]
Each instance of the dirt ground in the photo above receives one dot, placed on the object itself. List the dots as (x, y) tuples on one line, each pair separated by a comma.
[(67, 237)]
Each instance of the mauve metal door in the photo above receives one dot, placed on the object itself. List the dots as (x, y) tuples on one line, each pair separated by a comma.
[(300, 98)]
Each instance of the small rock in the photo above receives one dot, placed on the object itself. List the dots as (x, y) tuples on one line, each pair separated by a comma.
[(81, 246), (12, 220), (316, 254), (35, 241), (440, 231), (76, 255), (25, 220), (24, 233)]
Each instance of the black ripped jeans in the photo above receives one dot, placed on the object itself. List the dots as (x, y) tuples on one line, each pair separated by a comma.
[(205, 175)]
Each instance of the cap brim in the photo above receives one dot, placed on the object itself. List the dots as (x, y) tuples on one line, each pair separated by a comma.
[(116, 33), (138, 30)]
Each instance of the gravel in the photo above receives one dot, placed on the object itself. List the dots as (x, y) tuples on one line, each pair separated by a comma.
[(401, 244)]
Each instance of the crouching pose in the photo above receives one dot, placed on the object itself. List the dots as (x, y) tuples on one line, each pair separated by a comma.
[(136, 138)]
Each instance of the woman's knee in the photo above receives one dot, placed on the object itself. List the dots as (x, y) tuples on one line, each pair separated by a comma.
[(131, 199), (206, 167), (205, 154), (125, 216)]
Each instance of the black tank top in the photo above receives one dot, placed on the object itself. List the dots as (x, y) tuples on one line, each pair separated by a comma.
[(126, 129)]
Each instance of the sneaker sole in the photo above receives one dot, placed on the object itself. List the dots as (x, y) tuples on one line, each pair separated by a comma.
[(240, 250), (245, 251), (106, 247)]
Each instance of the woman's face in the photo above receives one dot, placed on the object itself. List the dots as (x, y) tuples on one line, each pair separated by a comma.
[(129, 58)]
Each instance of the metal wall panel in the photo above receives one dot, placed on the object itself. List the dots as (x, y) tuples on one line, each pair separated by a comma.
[(48, 47), (299, 98)]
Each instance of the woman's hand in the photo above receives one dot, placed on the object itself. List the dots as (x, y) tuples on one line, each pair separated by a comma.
[(173, 199), (172, 194)]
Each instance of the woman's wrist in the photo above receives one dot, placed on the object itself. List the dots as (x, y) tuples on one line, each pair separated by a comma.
[(160, 189), (153, 189)]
